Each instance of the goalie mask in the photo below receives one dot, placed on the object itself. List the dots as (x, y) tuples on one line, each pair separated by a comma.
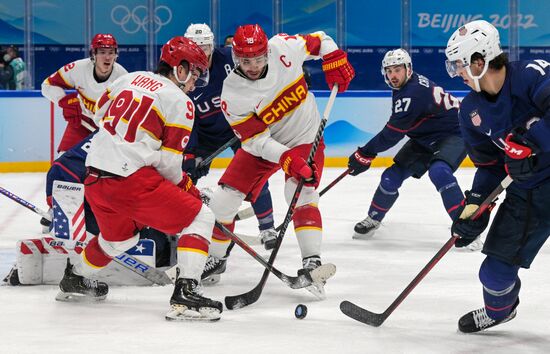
[(202, 35), (474, 37), (396, 57)]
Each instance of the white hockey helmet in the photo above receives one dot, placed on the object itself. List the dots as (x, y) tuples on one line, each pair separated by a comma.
[(396, 57), (474, 37), (201, 34)]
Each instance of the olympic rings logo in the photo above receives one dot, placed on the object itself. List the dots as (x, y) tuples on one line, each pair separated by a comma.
[(132, 21)]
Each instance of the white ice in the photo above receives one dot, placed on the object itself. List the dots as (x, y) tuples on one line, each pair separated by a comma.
[(370, 273)]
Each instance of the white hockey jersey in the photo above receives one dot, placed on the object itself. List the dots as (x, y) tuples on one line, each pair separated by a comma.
[(145, 120), (277, 112), (79, 76)]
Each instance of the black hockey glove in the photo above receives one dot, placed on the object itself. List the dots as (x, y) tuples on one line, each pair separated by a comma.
[(359, 162), (520, 159), (467, 228)]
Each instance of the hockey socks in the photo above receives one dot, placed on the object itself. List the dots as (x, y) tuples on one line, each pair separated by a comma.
[(446, 184), (382, 202), (263, 208)]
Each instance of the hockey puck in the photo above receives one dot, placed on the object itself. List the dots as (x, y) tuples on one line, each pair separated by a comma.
[(301, 311)]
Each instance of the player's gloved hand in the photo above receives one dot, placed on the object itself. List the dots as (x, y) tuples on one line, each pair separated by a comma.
[(201, 169), (338, 70), (520, 159), (359, 162), (72, 112), (186, 184), (465, 227), (296, 166), (189, 165)]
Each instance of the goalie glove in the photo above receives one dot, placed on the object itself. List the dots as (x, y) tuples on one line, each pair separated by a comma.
[(70, 104), (338, 70)]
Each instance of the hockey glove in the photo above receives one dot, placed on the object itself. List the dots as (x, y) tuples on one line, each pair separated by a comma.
[(294, 165), (359, 162), (520, 159), (464, 226), (72, 112), (338, 70), (186, 184)]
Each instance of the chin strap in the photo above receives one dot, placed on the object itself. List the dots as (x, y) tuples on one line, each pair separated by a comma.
[(182, 83), (477, 88)]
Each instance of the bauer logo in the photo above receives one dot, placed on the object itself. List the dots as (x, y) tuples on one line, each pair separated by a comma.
[(68, 188), (134, 263)]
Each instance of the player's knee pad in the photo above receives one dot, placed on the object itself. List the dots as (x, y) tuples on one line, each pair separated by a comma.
[(115, 248), (225, 203), (308, 194), (497, 275), (441, 176), (202, 225), (392, 179)]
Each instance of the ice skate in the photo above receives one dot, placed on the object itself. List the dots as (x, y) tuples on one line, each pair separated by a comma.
[(12, 278), (319, 274), (478, 320), (188, 305), (268, 238), (365, 228), (74, 287), (213, 269)]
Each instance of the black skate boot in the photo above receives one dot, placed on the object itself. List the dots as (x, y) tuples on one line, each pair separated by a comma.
[(188, 305), (213, 269), (13, 277), (319, 274), (478, 320), (365, 228), (268, 238), (75, 287)]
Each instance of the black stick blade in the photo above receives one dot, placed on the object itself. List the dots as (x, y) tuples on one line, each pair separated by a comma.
[(239, 301), (360, 314)]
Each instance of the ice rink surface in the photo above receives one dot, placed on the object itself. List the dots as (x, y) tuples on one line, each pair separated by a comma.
[(370, 273)]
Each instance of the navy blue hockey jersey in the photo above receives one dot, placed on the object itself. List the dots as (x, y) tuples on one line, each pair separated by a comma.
[(422, 111), (524, 100), (210, 128)]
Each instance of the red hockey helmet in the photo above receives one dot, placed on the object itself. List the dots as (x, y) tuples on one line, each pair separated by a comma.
[(104, 40), (180, 48), (249, 41)]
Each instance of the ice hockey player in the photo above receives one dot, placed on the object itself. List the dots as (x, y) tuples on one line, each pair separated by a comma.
[(135, 177), (505, 121), (89, 77), (211, 131), (424, 112), (267, 103)]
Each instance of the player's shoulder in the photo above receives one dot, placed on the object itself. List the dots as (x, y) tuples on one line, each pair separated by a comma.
[(77, 66), (119, 70), (527, 71)]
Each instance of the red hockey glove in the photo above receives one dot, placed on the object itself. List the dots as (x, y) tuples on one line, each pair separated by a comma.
[(294, 165), (520, 159), (359, 163), (338, 70), (187, 185), (71, 108)]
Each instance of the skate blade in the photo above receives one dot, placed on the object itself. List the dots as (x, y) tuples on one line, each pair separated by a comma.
[(77, 297), (367, 236), (211, 280), (183, 313), (319, 276)]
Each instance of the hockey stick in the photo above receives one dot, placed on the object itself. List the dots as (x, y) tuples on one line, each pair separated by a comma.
[(249, 212), (250, 297), (150, 273), (298, 282), (87, 126), (376, 319), (221, 149)]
